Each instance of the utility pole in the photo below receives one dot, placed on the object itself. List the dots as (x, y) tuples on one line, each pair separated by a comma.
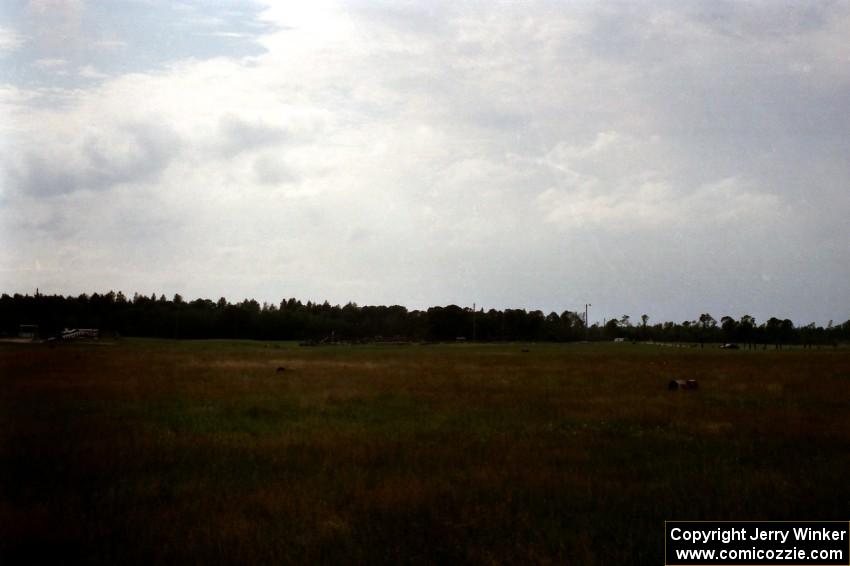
[(586, 322), (473, 322)]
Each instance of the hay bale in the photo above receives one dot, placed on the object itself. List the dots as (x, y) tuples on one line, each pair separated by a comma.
[(688, 384), (281, 369)]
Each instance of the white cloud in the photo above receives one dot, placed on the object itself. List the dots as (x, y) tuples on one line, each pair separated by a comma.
[(10, 40), (109, 44), (230, 34), (50, 63), (90, 72), (655, 204)]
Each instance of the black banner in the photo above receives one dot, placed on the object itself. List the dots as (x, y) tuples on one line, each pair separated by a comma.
[(758, 543)]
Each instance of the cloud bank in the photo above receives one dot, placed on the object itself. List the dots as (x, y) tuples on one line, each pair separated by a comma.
[(666, 158)]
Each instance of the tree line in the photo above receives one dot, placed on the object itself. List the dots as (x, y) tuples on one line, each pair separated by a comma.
[(152, 316)]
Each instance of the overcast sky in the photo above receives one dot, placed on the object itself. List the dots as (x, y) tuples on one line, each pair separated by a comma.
[(668, 158)]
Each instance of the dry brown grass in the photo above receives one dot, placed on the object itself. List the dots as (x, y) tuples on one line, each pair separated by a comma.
[(200, 452)]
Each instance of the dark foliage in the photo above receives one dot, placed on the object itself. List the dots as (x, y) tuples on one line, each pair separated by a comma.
[(293, 320)]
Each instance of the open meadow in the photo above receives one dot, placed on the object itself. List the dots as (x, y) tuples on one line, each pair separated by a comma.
[(203, 452)]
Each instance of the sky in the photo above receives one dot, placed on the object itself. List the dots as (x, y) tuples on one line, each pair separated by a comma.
[(668, 158)]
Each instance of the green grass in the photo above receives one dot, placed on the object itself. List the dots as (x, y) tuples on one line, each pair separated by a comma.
[(201, 452)]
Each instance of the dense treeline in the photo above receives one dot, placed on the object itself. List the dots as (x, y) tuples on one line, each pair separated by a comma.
[(293, 320)]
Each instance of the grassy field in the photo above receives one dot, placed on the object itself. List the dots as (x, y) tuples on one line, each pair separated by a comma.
[(202, 452)]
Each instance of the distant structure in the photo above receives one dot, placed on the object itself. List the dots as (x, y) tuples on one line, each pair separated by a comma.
[(76, 333), (619, 339), (686, 384), (28, 331)]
